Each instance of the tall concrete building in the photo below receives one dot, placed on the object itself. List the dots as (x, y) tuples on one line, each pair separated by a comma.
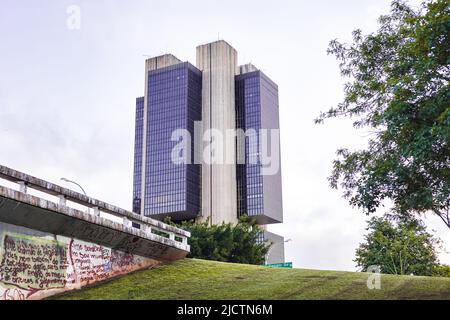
[(216, 95), (218, 63)]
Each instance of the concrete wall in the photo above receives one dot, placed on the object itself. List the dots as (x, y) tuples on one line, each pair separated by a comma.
[(246, 68), (272, 184), (218, 63), (35, 264), (276, 251)]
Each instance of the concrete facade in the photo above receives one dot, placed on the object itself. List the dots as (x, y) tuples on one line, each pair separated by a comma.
[(218, 63), (272, 184), (276, 251), (246, 68)]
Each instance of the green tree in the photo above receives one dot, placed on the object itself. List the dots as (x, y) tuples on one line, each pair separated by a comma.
[(398, 248), (226, 242), (398, 90), (441, 271)]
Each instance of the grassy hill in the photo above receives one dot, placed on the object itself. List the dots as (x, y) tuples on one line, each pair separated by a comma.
[(200, 279)]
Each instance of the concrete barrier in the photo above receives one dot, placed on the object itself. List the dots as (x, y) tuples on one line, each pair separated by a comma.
[(48, 247)]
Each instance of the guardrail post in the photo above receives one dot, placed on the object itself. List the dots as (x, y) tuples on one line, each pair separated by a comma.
[(172, 236), (62, 201), (23, 187), (125, 221), (96, 211), (184, 240)]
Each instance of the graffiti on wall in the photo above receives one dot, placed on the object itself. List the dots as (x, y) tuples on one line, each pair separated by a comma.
[(91, 262), (33, 267), (33, 263)]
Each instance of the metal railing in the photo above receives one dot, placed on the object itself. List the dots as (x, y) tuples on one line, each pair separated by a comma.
[(129, 219)]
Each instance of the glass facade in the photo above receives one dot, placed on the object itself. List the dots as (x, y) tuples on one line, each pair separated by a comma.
[(137, 174), (174, 102), (260, 237), (248, 116), (257, 108)]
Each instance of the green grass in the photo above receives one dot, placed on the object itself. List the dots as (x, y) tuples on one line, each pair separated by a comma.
[(200, 279)]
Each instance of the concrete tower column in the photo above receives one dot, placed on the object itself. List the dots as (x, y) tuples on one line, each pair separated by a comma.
[(218, 63)]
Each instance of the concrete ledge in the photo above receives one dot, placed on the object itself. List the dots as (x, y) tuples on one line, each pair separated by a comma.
[(25, 210), (55, 190)]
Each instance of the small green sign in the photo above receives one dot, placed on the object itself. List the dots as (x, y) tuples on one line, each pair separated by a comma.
[(280, 265)]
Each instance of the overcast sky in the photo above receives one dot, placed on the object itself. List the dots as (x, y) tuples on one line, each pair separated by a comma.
[(67, 97)]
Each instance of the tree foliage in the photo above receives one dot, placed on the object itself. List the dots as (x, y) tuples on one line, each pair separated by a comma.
[(399, 248), (226, 242), (398, 90), (441, 271)]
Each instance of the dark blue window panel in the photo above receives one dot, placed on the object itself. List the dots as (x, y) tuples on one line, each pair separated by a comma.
[(174, 102), (138, 140), (248, 116)]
